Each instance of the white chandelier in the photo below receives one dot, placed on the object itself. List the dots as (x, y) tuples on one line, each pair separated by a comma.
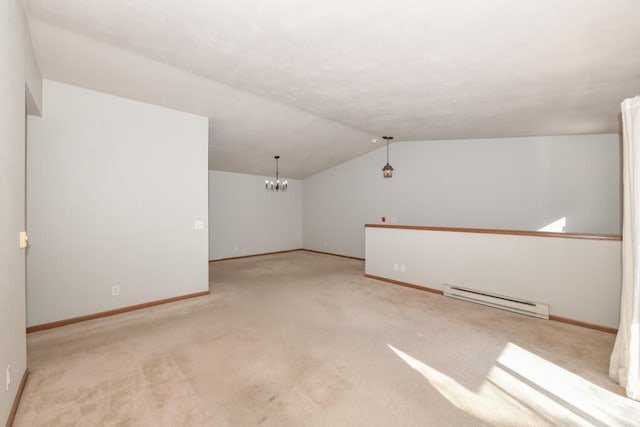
[(276, 186)]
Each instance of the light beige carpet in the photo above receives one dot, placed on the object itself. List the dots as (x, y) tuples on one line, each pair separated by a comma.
[(302, 339)]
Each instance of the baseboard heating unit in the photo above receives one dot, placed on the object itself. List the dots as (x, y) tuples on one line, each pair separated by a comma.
[(516, 305)]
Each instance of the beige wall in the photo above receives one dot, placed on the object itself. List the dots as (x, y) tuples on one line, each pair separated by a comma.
[(578, 278), (248, 220), (115, 187), (18, 73), (507, 183)]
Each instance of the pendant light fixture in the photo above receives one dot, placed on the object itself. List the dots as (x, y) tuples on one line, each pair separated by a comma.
[(276, 186), (387, 170)]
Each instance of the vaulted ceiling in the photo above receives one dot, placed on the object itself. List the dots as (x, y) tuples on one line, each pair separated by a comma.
[(316, 80)]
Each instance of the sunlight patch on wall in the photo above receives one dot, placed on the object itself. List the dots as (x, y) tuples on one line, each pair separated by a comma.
[(557, 225)]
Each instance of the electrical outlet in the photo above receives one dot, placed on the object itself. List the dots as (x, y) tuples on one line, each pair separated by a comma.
[(115, 290), (198, 225), (402, 268), (8, 376), (325, 244), (395, 267), (236, 247)]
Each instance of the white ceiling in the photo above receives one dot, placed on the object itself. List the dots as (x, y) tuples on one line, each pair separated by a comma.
[(413, 69)]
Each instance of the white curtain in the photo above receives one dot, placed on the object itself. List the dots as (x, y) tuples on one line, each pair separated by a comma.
[(625, 359)]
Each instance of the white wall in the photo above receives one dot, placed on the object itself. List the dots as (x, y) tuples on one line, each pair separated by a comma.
[(114, 188), (508, 183), (579, 279), (18, 69), (245, 219)]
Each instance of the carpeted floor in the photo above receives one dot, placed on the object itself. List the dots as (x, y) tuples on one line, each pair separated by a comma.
[(303, 339)]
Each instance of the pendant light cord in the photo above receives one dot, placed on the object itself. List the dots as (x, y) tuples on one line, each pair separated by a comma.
[(387, 138)]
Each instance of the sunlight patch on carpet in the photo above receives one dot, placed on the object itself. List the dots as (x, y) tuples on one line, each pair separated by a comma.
[(522, 385)]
